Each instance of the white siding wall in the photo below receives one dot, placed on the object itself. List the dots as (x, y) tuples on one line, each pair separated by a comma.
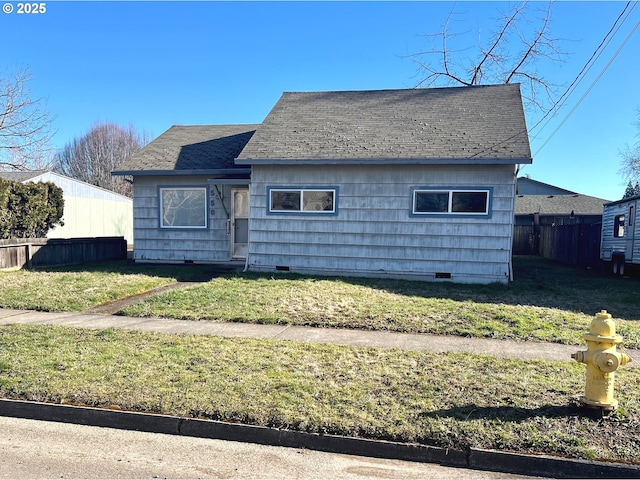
[(374, 234), (153, 244), (630, 242), (90, 211), (90, 217)]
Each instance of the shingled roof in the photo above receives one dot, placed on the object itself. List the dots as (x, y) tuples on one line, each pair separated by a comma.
[(559, 204), (479, 124), (21, 176), (191, 149)]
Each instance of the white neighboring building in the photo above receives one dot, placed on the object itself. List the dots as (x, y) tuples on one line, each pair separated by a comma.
[(89, 211), (620, 234)]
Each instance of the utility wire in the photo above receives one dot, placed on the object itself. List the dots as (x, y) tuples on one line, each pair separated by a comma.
[(587, 67), (593, 84)]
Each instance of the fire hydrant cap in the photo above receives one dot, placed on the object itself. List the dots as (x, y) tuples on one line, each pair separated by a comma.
[(608, 361), (602, 327)]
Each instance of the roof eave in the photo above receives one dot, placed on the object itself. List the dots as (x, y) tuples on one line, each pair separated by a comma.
[(385, 161), (628, 199), (219, 171)]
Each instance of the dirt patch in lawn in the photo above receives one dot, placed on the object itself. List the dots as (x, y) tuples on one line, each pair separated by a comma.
[(111, 308)]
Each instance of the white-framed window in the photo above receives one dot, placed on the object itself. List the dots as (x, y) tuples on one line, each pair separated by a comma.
[(464, 201), (302, 200), (618, 226), (183, 207)]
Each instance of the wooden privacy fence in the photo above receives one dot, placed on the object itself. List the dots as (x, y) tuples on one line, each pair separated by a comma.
[(43, 252), (577, 244)]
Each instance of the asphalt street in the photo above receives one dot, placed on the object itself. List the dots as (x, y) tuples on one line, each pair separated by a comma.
[(31, 449)]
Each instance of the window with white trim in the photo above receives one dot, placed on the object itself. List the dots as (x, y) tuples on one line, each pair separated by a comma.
[(618, 226), (438, 201), (304, 200), (183, 207)]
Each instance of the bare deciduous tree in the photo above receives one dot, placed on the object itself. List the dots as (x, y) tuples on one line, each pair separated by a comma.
[(25, 124), (92, 157), (510, 54), (630, 165)]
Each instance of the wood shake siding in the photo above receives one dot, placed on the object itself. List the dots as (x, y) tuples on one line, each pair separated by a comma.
[(374, 232), (153, 243)]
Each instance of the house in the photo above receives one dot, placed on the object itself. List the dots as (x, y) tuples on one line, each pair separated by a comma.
[(414, 183), (556, 223), (529, 186), (539, 203), (89, 211)]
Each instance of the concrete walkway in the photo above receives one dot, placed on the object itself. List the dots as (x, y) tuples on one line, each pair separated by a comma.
[(360, 338), (478, 459)]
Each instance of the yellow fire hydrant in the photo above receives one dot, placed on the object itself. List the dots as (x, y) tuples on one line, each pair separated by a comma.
[(602, 361)]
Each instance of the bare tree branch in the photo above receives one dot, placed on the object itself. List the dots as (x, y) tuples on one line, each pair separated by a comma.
[(630, 164), (509, 55), (496, 44), (25, 124), (92, 157)]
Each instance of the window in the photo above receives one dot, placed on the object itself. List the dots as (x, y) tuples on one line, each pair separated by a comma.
[(467, 201), (618, 226), (183, 207), (304, 200)]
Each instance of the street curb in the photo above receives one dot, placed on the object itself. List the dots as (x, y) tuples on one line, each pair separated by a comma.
[(477, 459)]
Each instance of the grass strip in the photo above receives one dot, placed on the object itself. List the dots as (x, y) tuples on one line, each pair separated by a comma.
[(492, 311), (76, 288), (546, 302), (446, 400)]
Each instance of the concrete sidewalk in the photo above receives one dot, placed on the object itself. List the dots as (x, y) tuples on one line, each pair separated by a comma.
[(359, 338), (478, 459)]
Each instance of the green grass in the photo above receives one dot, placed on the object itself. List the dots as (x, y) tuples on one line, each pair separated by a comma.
[(447, 400), (547, 302), (74, 289)]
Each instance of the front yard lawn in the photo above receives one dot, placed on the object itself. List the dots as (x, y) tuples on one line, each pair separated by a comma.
[(546, 302), (447, 400), (77, 288)]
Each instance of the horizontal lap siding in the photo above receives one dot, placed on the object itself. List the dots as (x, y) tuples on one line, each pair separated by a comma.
[(154, 244), (631, 238), (374, 233)]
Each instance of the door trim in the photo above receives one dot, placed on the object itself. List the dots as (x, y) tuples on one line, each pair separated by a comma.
[(239, 214)]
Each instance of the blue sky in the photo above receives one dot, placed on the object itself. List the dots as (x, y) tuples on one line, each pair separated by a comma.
[(154, 64)]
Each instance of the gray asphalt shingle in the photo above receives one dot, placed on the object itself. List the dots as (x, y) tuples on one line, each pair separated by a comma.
[(437, 125), (191, 148), (21, 176), (559, 204)]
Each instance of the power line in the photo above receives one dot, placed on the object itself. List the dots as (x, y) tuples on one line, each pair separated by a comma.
[(587, 67), (593, 84), (613, 31)]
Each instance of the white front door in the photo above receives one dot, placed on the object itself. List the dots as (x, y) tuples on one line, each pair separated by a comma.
[(240, 223)]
